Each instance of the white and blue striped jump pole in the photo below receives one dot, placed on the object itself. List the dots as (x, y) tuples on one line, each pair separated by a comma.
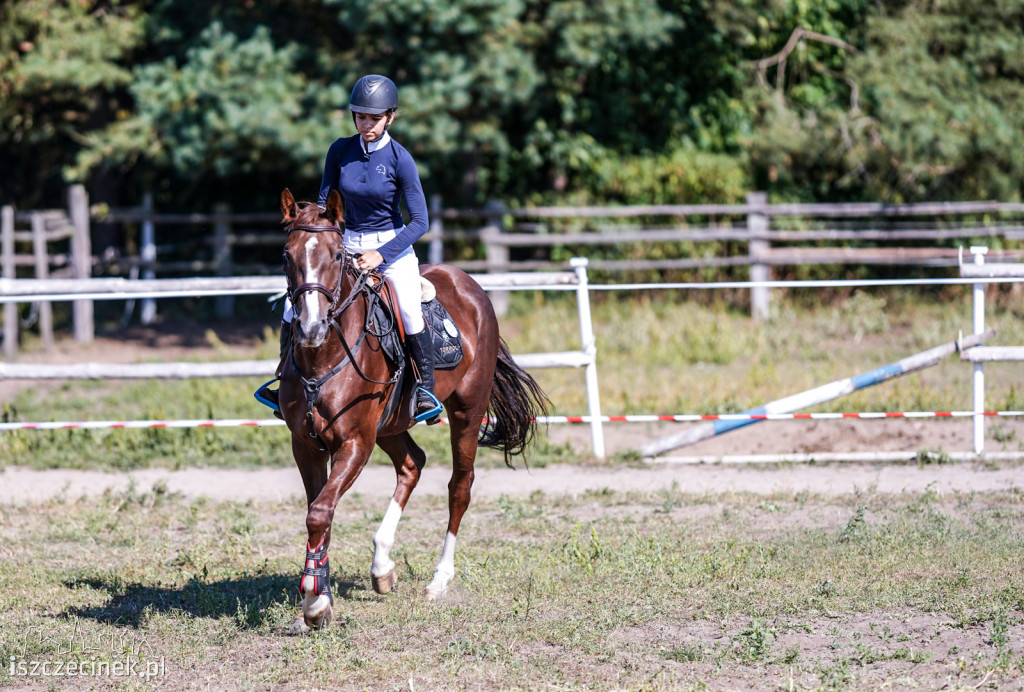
[(814, 396)]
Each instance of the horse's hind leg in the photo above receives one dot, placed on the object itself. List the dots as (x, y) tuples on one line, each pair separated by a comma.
[(465, 431), (408, 459)]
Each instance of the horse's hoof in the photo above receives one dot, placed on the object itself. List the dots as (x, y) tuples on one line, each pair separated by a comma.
[(433, 594), (298, 627), (320, 620), (386, 583)]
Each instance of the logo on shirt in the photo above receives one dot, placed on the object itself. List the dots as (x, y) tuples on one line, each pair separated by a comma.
[(381, 169)]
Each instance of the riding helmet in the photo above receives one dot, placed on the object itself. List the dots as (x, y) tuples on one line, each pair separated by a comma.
[(373, 94)]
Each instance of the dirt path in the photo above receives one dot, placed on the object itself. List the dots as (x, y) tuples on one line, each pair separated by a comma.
[(21, 485)]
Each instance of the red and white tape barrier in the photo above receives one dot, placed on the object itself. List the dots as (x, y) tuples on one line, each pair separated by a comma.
[(547, 420)]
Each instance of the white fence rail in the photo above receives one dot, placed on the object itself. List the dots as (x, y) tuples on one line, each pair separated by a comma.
[(46, 290), (45, 228)]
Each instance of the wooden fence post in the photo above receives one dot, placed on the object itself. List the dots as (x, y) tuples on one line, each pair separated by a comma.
[(757, 225), (10, 309), (81, 261), (435, 252), (497, 254), (42, 271), (225, 305), (147, 254)]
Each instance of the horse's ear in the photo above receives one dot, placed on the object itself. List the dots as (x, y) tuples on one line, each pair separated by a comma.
[(288, 207), (335, 208)]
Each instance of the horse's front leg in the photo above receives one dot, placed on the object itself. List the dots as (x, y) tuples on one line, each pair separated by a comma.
[(313, 467), (315, 585)]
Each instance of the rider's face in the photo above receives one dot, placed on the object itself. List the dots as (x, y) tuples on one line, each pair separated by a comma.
[(371, 127)]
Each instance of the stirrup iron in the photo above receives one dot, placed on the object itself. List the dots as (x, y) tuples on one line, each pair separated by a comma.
[(437, 410), (264, 393)]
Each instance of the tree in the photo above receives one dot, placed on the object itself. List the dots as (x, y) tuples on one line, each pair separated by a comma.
[(505, 97), (943, 90), (525, 100), (498, 98), (63, 68), (930, 107), (231, 114)]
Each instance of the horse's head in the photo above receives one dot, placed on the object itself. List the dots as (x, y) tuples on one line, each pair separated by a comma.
[(315, 263)]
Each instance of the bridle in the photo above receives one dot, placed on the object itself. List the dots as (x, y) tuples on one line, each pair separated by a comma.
[(333, 309)]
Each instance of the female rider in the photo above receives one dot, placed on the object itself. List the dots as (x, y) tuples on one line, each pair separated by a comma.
[(373, 173)]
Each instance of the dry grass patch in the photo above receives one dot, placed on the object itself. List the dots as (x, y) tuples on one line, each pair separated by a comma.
[(603, 590)]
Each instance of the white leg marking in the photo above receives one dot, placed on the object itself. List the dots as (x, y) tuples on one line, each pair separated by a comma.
[(445, 570), (313, 606), (384, 540)]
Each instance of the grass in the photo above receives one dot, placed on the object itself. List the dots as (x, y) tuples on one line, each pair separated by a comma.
[(654, 356), (604, 590)]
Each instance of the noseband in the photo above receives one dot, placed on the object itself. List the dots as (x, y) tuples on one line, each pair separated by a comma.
[(332, 296)]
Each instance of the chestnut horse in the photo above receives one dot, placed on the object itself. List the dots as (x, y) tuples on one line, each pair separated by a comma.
[(335, 384)]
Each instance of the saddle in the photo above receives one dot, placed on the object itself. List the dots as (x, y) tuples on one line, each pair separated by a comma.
[(384, 322), (386, 325)]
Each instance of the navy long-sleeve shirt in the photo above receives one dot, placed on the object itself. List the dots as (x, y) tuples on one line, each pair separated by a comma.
[(373, 185)]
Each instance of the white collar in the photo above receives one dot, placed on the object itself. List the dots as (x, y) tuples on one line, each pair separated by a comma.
[(370, 147)]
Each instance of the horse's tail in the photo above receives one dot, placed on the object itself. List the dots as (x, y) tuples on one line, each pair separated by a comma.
[(516, 402)]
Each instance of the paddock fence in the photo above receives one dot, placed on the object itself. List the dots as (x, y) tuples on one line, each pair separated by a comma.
[(660, 241), (42, 244)]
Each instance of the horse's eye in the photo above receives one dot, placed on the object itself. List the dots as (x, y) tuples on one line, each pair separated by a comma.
[(338, 256)]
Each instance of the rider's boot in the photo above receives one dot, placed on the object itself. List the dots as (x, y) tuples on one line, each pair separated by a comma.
[(272, 397), (421, 350)]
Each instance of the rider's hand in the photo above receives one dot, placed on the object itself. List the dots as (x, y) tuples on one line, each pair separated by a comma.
[(368, 260)]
